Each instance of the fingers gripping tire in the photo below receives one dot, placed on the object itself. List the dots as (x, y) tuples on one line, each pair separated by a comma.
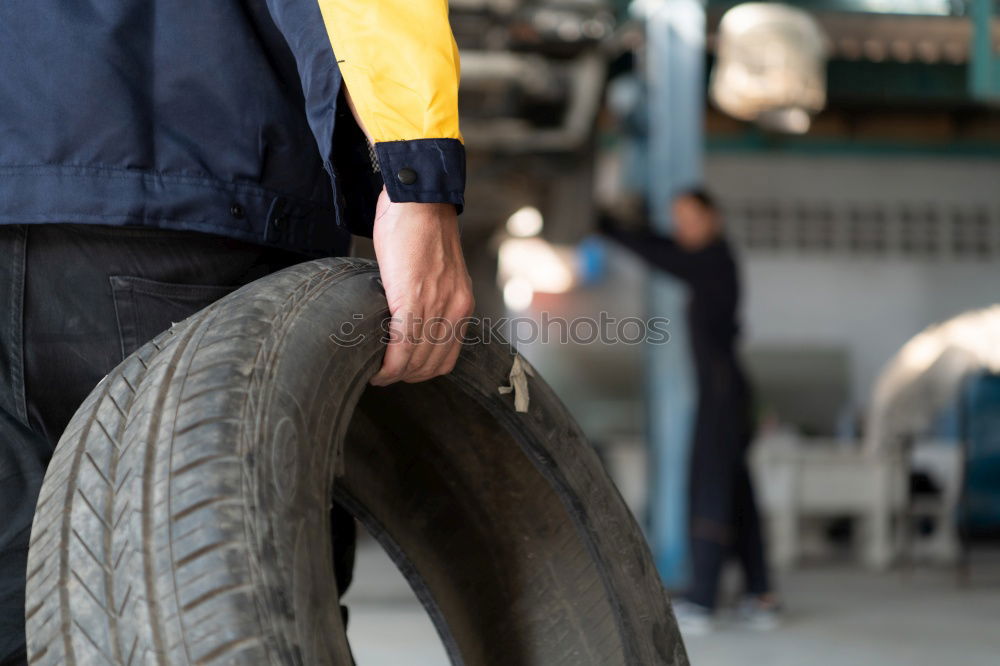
[(185, 518)]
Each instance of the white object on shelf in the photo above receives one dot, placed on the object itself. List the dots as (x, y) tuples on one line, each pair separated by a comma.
[(799, 478)]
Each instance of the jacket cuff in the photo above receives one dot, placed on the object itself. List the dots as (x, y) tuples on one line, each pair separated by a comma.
[(423, 170)]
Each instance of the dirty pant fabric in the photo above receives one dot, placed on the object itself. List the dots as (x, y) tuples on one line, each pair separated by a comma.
[(74, 302), (724, 521)]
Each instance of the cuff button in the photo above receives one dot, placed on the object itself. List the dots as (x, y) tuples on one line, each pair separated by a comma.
[(406, 176)]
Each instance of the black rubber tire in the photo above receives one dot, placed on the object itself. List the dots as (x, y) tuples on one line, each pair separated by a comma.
[(185, 516)]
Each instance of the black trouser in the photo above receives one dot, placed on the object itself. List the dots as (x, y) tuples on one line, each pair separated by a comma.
[(74, 302), (723, 512)]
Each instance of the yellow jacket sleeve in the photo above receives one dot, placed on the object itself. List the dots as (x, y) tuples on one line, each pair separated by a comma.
[(400, 63)]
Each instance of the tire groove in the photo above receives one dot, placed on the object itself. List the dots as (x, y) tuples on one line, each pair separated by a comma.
[(200, 423), (93, 510), (187, 511), (148, 482), (225, 648), (204, 550), (94, 643), (97, 468), (183, 469), (212, 594), (90, 592), (72, 491), (93, 556)]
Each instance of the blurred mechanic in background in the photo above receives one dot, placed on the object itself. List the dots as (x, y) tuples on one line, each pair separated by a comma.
[(155, 156), (723, 518)]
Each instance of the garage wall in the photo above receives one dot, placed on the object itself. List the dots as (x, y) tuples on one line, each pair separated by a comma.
[(859, 254)]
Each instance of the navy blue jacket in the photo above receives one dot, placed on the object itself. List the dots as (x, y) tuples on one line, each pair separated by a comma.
[(218, 116)]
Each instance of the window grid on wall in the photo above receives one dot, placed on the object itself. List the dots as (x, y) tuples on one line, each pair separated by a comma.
[(911, 230)]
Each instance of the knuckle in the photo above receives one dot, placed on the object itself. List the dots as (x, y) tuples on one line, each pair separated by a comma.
[(464, 303), (448, 366), (417, 377), (393, 367)]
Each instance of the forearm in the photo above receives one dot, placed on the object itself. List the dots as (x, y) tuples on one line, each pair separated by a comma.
[(659, 250)]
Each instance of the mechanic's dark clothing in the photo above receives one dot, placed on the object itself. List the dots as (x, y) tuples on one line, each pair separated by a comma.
[(74, 301), (226, 117), (723, 513)]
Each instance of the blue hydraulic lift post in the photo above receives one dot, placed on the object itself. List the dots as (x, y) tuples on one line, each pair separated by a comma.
[(675, 65), (984, 63)]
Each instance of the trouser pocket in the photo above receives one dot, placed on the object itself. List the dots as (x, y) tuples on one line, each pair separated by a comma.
[(145, 308)]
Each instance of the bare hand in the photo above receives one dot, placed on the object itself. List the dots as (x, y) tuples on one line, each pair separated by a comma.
[(427, 286)]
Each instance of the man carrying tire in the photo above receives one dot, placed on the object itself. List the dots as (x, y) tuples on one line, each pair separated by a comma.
[(155, 156)]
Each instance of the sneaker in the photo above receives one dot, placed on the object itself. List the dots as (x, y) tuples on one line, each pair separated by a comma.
[(754, 613), (693, 619)]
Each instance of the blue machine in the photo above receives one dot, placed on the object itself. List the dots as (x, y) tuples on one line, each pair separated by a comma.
[(979, 508)]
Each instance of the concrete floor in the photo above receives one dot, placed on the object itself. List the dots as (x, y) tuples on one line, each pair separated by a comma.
[(388, 626), (836, 616)]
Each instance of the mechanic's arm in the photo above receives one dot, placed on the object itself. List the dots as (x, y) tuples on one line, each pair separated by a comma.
[(400, 68), (659, 250)]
